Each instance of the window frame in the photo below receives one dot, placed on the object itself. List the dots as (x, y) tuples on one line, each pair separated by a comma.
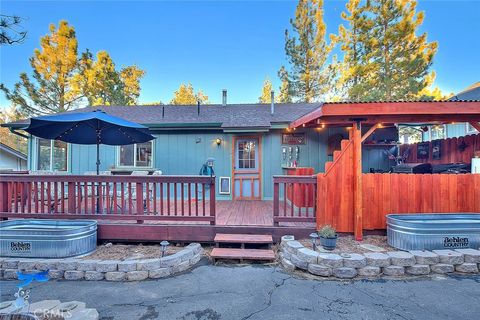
[(52, 143), (152, 164)]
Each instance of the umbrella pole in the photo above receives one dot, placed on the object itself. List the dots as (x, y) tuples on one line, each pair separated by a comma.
[(98, 171)]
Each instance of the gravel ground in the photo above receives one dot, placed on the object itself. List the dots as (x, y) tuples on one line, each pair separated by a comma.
[(130, 251), (349, 245)]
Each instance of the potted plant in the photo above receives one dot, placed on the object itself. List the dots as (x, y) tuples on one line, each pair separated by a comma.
[(328, 237)]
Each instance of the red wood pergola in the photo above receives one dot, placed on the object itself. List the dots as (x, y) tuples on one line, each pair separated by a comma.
[(379, 114)]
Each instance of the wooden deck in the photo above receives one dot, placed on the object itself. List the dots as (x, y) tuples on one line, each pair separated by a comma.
[(155, 208)]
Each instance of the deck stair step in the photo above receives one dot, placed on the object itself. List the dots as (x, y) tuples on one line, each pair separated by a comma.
[(243, 254), (243, 238)]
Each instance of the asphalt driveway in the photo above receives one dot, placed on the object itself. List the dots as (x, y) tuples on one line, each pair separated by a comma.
[(263, 292)]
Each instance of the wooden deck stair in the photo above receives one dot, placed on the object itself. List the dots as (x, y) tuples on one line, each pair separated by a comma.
[(242, 253)]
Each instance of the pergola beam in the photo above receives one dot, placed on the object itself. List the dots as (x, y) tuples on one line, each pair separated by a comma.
[(370, 131)]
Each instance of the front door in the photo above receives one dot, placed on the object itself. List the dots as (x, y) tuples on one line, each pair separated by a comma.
[(247, 168)]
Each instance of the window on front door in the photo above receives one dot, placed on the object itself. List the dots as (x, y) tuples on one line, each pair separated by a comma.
[(136, 155), (52, 155), (246, 154)]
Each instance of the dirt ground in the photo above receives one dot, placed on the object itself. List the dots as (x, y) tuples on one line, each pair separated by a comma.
[(130, 251), (347, 244)]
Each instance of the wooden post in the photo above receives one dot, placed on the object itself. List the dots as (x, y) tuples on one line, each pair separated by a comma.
[(276, 201), (71, 197), (357, 175), (212, 201), (139, 194), (3, 196)]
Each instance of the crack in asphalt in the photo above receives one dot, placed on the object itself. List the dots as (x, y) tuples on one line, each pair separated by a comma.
[(269, 295)]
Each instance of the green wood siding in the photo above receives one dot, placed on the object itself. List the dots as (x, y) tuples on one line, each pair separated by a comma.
[(183, 153)]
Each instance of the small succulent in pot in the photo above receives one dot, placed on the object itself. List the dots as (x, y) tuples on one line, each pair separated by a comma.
[(328, 237)]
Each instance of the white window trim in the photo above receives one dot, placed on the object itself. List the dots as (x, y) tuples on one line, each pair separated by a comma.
[(35, 162), (118, 165), (467, 129)]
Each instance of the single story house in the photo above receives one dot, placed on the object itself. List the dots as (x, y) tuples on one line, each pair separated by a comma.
[(11, 159), (249, 142), (309, 164)]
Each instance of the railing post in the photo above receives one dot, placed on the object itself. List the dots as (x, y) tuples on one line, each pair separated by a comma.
[(139, 192), (212, 201), (276, 201), (71, 197), (3, 196)]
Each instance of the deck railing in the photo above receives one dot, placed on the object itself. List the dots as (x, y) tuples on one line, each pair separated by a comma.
[(294, 199), (140, 198)]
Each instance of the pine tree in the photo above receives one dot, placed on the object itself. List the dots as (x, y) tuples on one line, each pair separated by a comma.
[(285, 95), (185, 95), (353, 40), (62, 81), (307, 52), (53, 70), (104, 85), (399, 59), (266, 97)]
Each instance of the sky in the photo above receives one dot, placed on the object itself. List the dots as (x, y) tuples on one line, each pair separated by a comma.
[(215, 45)]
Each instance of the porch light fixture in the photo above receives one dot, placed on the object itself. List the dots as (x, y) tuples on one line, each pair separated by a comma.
[(314, 237), (218, 141), (164, 244)]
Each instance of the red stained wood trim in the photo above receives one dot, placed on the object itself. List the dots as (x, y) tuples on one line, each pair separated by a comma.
[(248, 254), (243, 238)]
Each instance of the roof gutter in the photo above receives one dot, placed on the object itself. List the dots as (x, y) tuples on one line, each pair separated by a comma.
[(13, 130)]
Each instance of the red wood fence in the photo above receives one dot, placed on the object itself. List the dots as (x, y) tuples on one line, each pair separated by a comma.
[(451, 150), (383, 194), (417, 193), (178, 198), (294, 199)]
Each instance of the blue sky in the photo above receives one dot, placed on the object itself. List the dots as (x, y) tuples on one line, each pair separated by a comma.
[(220, 44)]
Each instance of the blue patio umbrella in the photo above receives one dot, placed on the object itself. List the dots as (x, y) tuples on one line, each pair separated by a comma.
[(96, 127)]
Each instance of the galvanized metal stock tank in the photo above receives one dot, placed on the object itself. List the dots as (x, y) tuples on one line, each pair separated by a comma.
[(31, 238), (433, 231)]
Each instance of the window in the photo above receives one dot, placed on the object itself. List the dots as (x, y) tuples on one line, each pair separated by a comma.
[(437, 132), (470, 129), (246, 155), (136, 155), (52, 155)]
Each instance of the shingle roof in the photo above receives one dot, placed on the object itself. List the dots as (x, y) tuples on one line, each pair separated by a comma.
[(242, 116), (470, 93), (12, 151)]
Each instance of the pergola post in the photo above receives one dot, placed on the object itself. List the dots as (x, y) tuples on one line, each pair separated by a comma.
[(357, 180)]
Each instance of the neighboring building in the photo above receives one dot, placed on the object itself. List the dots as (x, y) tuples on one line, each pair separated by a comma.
[(11, 159), (249, 142), (462, 129)]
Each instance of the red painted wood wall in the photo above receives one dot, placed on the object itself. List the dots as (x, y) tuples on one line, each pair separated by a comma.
[(450, 150), (335, 190), (302, 194), (417, 193), (389, 193)]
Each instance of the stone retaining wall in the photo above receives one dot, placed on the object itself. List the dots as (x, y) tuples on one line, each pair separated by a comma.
[(294, 255), (110, 270)]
